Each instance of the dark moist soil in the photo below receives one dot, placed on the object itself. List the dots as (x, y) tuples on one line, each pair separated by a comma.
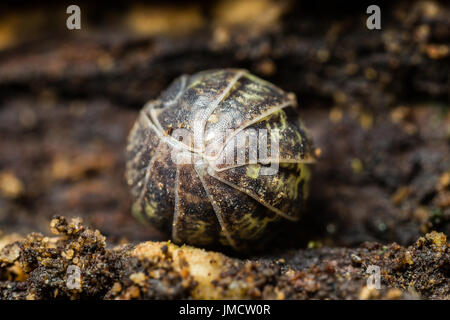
[(37, 268), (376, 103)]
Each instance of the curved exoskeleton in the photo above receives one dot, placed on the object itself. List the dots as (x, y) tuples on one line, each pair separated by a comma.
[(219, 157)]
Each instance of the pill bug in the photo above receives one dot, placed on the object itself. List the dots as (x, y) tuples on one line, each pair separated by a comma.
[(183, 151)]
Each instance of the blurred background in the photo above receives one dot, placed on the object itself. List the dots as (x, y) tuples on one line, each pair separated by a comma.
[(375, 101)]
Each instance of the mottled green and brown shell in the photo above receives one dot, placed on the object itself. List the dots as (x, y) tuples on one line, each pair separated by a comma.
[(209, 200)]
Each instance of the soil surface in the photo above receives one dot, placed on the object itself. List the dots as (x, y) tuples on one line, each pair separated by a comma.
[(376, 104)]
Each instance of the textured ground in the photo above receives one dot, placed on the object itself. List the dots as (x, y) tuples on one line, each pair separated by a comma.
[(36, 268), (376, 104)]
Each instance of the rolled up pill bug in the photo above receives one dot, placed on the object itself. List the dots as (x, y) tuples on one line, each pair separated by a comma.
[(218, 159)]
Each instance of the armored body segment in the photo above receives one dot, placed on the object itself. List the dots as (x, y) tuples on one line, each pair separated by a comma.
[(283, 127), (280, 192), (156, 199), (251, 100), (143, 143), (196, 100), (195, 219), (184, 184), (242, 219)]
